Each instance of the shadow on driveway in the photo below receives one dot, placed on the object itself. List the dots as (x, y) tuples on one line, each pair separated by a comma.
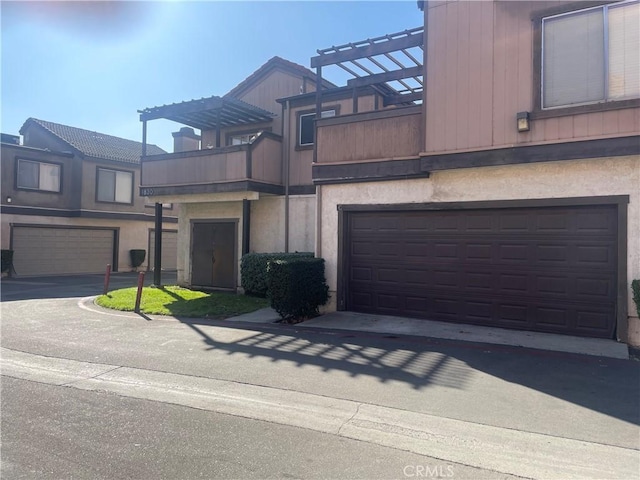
[(610, 386)]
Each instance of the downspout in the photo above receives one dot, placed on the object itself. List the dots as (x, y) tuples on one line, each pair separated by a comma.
[(286, 122)]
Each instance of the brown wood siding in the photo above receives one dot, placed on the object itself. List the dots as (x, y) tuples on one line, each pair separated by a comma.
[(266, 161), (479, 74), (376, 138), (201, 168), (276, 85)]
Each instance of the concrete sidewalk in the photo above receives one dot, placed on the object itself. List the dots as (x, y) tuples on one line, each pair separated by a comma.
[(361, 322)]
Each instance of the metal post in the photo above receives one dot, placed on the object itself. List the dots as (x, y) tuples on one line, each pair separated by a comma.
[(246, 226), (107, 277), (139, 293), (157, 261)]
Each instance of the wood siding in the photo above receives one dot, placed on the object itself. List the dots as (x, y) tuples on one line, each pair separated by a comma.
[(216, 166), (479, 75), (266, 161), (370, 136), (277, 84)]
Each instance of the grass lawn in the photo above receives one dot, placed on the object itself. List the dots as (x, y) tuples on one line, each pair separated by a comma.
[(179, 301)]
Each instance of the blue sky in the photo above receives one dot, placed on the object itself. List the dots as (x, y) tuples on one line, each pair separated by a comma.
[(94, 65)]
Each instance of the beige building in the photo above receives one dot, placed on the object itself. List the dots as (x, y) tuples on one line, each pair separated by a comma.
[(482, 168), (70, 202)]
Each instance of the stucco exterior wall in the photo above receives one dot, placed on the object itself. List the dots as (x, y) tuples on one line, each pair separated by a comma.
[(268, 224), (203, 211), (132, 234), (575, 178)]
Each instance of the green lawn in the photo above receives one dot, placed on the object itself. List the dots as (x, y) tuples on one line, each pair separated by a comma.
[(182, 302)]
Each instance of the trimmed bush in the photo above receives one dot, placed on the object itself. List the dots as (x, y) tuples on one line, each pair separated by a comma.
[(635, 287), (253, 270), (6, 260), (137, 257), (297, 287)]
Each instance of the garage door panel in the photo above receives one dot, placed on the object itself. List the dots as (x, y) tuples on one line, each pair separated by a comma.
[(546, 269), (59, 250), (169, 250)]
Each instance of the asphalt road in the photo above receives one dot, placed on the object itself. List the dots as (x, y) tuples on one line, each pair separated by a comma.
[(396, 400)]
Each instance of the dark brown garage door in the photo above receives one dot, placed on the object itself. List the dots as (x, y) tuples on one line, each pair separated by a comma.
[(548, 269)]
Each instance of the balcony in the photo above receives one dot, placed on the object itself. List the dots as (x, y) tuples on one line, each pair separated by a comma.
[(372, 136), (252, 167)]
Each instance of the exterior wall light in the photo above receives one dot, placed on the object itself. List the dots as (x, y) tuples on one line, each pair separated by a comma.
[(9, 200), (524, 124)]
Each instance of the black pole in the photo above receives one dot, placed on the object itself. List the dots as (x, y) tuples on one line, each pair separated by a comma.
[(157, 261), (246, 226)]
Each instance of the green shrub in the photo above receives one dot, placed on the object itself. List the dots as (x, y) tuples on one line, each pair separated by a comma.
[(253, 270), (635, 287), (6, 260), (297, 287), (137, 257)]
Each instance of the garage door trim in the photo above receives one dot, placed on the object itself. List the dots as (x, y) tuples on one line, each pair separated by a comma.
[(621, 201), (115, 230)]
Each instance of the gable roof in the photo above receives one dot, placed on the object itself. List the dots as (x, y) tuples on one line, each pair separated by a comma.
[(275, 63), (95, 144)]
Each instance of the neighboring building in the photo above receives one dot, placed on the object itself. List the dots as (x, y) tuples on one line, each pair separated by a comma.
[(70, 201), (509, 196), (243, 182)]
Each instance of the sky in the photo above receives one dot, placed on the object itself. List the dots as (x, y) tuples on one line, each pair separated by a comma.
[(93, 65)]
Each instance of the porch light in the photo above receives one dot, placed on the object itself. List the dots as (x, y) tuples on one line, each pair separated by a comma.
[(523, 122), (9, 199)]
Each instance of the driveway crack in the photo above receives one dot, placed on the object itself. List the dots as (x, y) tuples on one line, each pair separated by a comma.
[(339, 432)]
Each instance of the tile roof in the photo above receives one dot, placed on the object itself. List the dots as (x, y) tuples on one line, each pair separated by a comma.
[(275, 62), (95, 144)]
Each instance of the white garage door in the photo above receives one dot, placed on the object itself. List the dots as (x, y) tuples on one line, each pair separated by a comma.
[(169, 249), (58, 250)]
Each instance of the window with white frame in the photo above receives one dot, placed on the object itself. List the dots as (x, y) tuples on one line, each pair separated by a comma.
[(591, 55), (115, 186), (35, 175), (241, 139), (306, 131)]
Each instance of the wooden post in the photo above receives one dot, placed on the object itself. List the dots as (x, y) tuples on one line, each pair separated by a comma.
[(107, 277), (139, 293)]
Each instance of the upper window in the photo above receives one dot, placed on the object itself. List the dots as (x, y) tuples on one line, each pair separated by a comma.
[(306, 132), (114, 186), (241, 139), (591, 55), (38, 176)]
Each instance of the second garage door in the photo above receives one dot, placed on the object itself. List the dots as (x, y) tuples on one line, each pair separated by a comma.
[(169, 249), (547, 269), (58, 250)]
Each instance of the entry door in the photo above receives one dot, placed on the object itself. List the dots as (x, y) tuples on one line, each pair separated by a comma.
[(213, 255)]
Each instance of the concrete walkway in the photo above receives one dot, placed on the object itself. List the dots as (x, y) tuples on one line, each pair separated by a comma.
[(361, 322)]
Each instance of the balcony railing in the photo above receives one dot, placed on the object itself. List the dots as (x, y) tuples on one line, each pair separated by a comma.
[(371, 136), (254, 166)]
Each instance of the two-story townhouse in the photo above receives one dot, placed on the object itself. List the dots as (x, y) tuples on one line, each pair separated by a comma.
[(70, 202), (512, 197), (242, 183)]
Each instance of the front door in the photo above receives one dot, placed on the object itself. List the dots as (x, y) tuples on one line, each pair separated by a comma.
[(213, 255)]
